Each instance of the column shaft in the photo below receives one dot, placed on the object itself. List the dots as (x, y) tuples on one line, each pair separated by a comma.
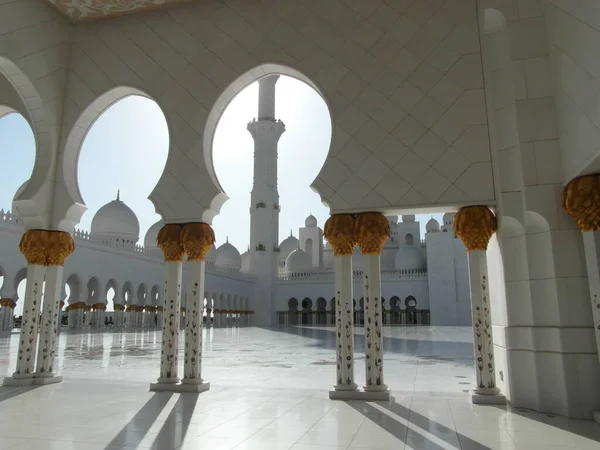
[(591, 245), (50, 321), (373, 324), (170, 335), (344, 324), (483, 344), (193, 324), (30, 323)]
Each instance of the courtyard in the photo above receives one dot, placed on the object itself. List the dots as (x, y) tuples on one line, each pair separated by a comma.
[(268, 392)]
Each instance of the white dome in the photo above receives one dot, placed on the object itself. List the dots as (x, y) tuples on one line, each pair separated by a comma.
[(116, 219), (409, 257), (310, 222), (152, 234), (407, 218), (448, 218), (298, 261), (287, 246), (228, 257), (432, 226), (211, 258), (245, 267)]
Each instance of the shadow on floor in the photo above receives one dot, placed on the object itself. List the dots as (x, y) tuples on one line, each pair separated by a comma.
[(141, 423), (417, 435), (175, 427), (458, 352), (8, 392)]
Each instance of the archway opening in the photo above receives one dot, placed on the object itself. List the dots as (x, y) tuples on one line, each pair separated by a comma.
[(301, 108), (110, 299), (122, 158), (17, 150)]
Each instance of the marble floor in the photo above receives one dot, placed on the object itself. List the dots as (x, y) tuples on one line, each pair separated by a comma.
[(268, 392)]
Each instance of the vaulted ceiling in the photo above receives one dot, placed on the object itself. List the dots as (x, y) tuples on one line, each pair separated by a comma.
[(89, 10)]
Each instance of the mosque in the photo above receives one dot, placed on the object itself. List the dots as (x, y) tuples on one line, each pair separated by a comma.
[(484, 109), (112, 279)]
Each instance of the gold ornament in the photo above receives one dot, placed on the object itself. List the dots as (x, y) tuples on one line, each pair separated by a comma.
[(33, 246), (169, 241), (340, 232), (197, 240), (60, 246), (581, 199), (373, 231), (46, 248), (8, 302), (475, 225), (118, 307)]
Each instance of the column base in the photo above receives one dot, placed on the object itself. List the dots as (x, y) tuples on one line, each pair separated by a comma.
[(47, 379), (369, 396), (180, 387), (596, 416), (487, 397), (18, 381)]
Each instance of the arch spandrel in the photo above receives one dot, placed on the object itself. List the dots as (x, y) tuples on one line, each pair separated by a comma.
[(369, 134)]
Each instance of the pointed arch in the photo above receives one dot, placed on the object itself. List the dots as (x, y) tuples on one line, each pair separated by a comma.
[(264, 70), (69, 158)]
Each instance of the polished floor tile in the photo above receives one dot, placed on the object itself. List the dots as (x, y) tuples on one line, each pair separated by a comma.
[(268, 392)]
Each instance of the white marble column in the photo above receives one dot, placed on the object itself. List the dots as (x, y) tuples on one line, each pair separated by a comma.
[(218, 308), (23, 374), (344, 326), (170, 335), (475, 225), (373, 325), (49, 326), (193, 327), (591, 243), (483, 343), (7, 313)]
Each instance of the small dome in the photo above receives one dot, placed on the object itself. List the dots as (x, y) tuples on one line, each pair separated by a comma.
[(228, 257), (409, 257), (392, 219), (310, 222), (287, 246), (432, 226), (408, 218), (245, 262), (152, 234), (211, 258), (298, 261), (448, 218), (116, 219)]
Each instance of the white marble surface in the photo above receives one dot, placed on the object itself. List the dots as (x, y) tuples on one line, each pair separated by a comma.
[(268, 391)]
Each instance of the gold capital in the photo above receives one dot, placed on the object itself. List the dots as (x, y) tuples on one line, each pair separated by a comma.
[(475, 225), (373, 231), (581, 199), (46, 248), (197, 240), (341, 234), (169, 241)]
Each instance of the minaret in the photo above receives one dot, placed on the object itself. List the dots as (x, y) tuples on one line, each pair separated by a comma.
[(264, 199)]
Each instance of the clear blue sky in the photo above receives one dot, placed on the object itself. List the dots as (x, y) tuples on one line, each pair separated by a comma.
[(127, 148)]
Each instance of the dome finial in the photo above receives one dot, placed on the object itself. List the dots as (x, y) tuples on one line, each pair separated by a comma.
[(227, 240), (118, 195), (291, 232)]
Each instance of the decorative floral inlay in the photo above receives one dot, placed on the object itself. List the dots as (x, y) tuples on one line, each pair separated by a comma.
[(373, 337), (484, 351), (82, 10)]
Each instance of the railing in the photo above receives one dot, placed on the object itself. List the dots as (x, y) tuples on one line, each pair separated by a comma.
[(356, 275), (328, 318)]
